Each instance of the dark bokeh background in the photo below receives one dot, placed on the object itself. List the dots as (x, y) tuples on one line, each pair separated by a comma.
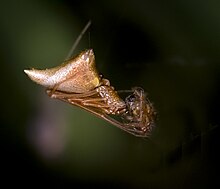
[(170, 48)]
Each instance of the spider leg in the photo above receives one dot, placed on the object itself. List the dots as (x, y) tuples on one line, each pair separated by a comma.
[(91, 102), (126, 127), (97, 103), (60, 94)]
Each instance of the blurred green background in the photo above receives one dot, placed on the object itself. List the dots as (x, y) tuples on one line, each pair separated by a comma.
[(170, 48)]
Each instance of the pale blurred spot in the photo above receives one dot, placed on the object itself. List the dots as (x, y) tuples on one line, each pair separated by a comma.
[(47, 130)]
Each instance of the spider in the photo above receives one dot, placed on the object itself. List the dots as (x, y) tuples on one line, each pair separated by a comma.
[(77, 82)]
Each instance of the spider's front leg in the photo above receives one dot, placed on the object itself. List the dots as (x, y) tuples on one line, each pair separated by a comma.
[(88, 99), (64, 95)]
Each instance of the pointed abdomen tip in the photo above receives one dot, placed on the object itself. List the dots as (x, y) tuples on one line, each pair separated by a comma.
[(33, 74), (38, 76), (27, 72)]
